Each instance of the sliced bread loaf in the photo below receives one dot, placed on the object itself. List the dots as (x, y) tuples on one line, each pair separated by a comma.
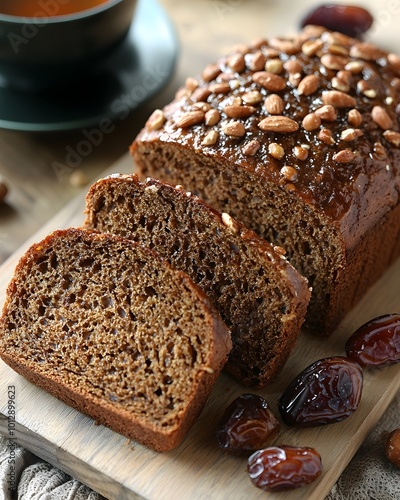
[(297, 137), (260, 296), (112, 330)]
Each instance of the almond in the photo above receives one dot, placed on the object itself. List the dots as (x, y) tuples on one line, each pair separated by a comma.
[(274, 104), (211, 72), (238, 111), (189, 119), (311, 122), (270, 81), (211, 138), (381, 117), (219, 88), (212, 117), (338, 99), (156, 120), (251, 148), (344, 156), (252, 97), (234, 129), (236, 63), (281, 124), (308, 85)]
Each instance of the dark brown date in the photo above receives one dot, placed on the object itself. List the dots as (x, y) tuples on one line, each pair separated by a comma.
[(327, 391), (348, 19), (247, 425), (284, 467), (377, 342), (393, 448)]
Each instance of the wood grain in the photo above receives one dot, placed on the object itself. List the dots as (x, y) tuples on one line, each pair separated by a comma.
[(121, 469)]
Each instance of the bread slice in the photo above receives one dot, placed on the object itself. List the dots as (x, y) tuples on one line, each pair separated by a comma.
[(260, 296), (112, 330)]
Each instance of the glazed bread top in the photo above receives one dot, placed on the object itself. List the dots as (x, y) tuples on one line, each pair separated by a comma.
[(316, 113)]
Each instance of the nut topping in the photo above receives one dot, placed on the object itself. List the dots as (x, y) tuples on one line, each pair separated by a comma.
[(219, 88), (341, 85), (293, 66), (392, 137), (211, 72), (251, 148), (256, 61), (234, 129), (212, 117), (308, 85), (379, 151), (355, 67), (156, 120), (191, 83), (189, 119), (394, 60), (238, 111), (203, 106), (327, 113), (354, 117), (252, 97), (270, 81), (300, 152), (200, 94), (311, 47), (311, 122), (211, 138), (344, 156), (325, 135), (338, 99), (350, 134), (366, 51), (237, 63), (276, 150), (331, 61), (274, 66), (381, 117), (274, 104), (281, 124), (289, 173)]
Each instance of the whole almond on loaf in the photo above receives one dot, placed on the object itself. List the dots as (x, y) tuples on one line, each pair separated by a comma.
[(338, 213), (261, 297), (111, 329)]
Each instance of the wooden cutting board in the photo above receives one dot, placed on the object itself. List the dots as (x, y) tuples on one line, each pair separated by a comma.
[(122, 469)]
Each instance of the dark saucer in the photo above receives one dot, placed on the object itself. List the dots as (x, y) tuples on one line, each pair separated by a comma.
[(135, 71)]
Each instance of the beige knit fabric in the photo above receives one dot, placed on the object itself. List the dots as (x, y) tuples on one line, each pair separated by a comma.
[(369, 476), (35, 479)]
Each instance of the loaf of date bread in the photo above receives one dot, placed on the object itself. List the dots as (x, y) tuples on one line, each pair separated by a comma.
[(111, 329), (298, 138), (261, 297)]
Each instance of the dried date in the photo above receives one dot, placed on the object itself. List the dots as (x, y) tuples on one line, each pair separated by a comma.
[(284, 467), (393, 448), (327, 391), (348, 19), (247, 425), (377, 342)]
